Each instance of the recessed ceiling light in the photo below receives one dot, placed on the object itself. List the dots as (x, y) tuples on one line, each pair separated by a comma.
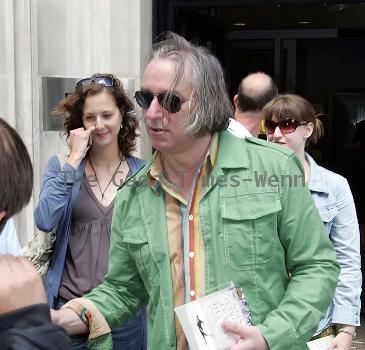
[(304, 22), (239, 24)]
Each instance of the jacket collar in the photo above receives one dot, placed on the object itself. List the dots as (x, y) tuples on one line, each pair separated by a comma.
[(231, 152), (317, 180)]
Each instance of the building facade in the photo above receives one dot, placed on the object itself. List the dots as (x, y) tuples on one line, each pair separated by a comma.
[(41, 40)]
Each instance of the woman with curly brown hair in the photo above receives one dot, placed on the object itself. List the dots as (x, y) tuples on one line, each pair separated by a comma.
[(78, 197)]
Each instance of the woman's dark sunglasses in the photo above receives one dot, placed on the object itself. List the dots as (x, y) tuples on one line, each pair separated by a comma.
[(167, 100), (105, 80), (286, 126)]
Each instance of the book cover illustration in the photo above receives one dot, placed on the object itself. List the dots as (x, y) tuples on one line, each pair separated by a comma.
[(201, 319)]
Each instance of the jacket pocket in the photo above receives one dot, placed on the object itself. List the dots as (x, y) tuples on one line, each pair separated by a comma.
[(142, 255), (250, 229), (327, 214)]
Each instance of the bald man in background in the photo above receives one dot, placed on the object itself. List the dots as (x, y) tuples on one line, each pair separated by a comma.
[(254, 91)]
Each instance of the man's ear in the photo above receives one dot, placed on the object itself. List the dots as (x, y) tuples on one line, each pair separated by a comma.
[(2, 214), (235, 101)]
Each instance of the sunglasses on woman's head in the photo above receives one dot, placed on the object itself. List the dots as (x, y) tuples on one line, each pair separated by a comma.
[(286, 126), (105, 80), (167, 100)]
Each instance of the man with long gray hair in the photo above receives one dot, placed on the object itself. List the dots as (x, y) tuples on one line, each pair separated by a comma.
[(194, 218)]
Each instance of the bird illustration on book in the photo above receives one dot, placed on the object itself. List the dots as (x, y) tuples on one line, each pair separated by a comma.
[(199, 324)]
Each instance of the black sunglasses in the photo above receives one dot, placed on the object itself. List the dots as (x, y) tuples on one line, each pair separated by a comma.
[(286, 126), (105, 80), (167, 100)]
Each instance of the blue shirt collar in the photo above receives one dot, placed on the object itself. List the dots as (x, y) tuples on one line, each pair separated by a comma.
[(317, 180)]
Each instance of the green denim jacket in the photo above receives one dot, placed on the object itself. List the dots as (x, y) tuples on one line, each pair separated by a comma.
[(265, 235)]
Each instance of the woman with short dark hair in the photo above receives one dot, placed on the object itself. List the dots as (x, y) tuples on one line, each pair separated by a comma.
[(16, 172), (25, 320)]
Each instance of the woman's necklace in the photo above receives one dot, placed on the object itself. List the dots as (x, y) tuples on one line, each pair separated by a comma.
[(97, 180)]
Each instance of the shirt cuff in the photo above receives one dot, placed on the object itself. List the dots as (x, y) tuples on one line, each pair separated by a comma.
[(280, 336), (346, 315), (70, 175), (96, 322)]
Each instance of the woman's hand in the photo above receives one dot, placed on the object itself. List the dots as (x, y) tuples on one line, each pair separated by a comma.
[(79, 142), (342, 341)]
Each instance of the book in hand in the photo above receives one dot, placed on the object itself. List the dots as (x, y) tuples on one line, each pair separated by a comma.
[(201, 319), (321, 343)]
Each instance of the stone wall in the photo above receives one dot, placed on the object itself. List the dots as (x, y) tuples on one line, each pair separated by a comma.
[(64, 38)]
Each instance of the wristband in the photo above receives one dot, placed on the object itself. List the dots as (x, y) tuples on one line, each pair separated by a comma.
[(85, 316), (90, 315)]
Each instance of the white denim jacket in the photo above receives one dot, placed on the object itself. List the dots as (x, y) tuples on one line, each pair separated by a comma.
[(333, 198)]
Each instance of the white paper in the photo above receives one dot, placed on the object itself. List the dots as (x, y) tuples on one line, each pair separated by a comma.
[(321, 343), (201, 319)]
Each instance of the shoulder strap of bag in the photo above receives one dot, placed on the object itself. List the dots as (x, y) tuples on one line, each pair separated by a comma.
[(40, 248)]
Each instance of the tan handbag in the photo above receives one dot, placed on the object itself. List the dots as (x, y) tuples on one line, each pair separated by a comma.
[(39, 249)]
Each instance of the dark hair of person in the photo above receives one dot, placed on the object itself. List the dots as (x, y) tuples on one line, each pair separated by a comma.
[(16, 172), (71, 108), (297, 108), (247, 101)]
